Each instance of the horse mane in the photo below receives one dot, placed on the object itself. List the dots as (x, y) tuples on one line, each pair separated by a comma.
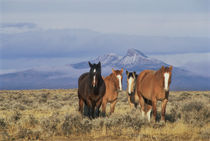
[(159, 76), (83, 75)]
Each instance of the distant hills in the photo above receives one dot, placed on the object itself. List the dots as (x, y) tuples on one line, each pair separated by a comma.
[(66, 76)]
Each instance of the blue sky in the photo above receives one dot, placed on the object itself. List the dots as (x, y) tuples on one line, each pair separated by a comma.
[(164, 18)]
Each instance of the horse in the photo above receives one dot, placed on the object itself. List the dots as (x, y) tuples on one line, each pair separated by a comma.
[(133, 98), (153, 86), (113, 84), (91, 89)]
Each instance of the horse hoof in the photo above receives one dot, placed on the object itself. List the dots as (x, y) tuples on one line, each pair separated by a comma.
[(162, 122), (153, 120), (103, 114)]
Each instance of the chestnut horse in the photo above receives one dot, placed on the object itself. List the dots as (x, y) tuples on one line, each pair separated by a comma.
[(113, 85), (91, 89), (153, 86), (133, 98)]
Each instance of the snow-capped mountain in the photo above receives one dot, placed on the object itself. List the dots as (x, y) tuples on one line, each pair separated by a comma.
[(133, 60), (106, 60), (109, 59)]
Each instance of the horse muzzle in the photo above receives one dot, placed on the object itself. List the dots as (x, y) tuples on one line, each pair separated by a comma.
[(166, 90), (130, 94)]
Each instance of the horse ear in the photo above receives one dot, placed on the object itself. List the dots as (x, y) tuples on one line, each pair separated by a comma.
[(113, 71), (170, 68), (162, 68), (99, 64), (121, 71), (90, 64), (134, 74), (126, 72)]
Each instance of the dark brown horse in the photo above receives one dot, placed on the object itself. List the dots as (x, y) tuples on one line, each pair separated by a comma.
[(133, 98), (153, 86), (91, 89), (113, 85)]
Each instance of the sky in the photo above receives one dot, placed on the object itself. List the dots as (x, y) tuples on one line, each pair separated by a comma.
[(162, 18), (140, 17)]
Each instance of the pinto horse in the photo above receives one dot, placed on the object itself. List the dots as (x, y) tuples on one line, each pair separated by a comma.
[(91, 89), (153, 86), (113, 85), (133, 98)]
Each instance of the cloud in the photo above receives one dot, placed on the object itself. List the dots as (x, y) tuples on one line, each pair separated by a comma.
[(201, 68), (181, 59), (194, 62), (17, 27), (80, 42)]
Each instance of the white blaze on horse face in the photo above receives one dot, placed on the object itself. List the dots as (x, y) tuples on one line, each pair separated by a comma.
[(130, 81), (94, 80), (119, 78), (166, 76)]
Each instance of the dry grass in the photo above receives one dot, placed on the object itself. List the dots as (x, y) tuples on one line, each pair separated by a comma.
[(53, 115)]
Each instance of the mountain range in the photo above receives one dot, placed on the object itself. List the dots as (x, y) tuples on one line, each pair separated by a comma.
[(66, 76)]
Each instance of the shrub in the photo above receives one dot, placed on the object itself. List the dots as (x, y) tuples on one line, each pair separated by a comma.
[(195, 113)]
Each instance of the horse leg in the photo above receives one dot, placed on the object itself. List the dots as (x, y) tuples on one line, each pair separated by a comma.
[(81, 104), (163, 109), (112, 106), (136, 102), (154, 106), (141, 101), (98, 105), (104, 102), (93, 110), (90, 108), (131, 104), (149, 109)]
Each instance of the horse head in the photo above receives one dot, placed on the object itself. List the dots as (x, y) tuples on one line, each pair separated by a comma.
[(131, 82), (95, 73), (118, 75), (166, 72)]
